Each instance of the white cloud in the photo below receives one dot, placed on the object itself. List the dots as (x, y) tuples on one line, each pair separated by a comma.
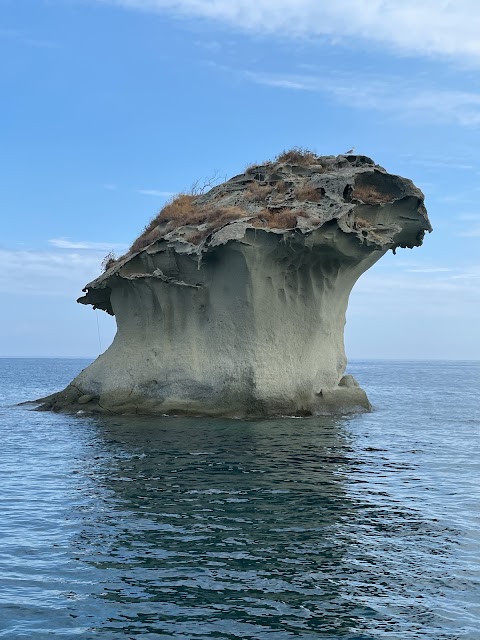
[(47, 273), (470, 217), (156, 193), (406, 101), (209, 45), (22, 38), (61, 271), (41, 317), (430, 280), (472, 228), (430, 270), (64, 243), (441, 164), (440, 28), (414, 315), (417, 294), (470, 233)]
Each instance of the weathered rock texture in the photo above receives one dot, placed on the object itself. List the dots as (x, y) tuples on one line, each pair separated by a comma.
[(233, 302)]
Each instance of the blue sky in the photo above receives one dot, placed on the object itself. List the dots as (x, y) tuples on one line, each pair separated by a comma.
[(108, 107)]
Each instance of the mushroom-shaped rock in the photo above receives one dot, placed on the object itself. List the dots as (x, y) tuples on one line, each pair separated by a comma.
[(233, 302)]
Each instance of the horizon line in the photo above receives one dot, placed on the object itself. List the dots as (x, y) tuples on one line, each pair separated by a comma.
[(349, 360)]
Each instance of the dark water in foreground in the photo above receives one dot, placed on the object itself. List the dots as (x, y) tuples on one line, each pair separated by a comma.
[(358, 528)]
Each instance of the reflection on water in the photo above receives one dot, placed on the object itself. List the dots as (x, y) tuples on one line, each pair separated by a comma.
[(356, 528), (235, 526)]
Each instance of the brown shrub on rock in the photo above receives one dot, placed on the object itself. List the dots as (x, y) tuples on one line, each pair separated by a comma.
[(369, 194), (258, 191), (181, 210), (277, 219), (308, 193), (297, 155)]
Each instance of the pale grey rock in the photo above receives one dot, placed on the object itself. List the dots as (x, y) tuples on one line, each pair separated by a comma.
[(85, 399), (343, 400), (348, 381), (245, 318)]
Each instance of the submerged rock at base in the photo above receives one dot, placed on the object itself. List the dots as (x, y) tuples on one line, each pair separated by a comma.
[(232, 303)]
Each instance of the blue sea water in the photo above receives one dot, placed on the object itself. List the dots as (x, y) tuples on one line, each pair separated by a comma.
[(361, 527)]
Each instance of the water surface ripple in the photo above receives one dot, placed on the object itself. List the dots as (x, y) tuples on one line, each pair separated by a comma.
[(356, 528)]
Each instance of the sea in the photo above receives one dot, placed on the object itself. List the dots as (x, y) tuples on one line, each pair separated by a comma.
[(358, 527)]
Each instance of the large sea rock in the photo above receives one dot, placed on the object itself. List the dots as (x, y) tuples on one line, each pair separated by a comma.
[(232, 302)]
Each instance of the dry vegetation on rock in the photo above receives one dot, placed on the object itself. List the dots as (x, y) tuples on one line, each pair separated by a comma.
[(298, 155), (370, 194), (182, 211), (108, 261), (276, 219), (309, 193), (271, 195), (185, 210)]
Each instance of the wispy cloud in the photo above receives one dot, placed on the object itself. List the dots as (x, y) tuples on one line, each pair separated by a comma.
[(62, 270), (416, 293), (156, 193), (47, 273), (209, 45), (65, 243), (429, 28), (469, 217), (19, 37), (405, 100), (474, 232), (409, 272), (441, 164), (470, 225), (430, 270)]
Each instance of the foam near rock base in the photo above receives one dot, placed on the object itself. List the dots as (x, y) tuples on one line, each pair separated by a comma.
[(235, 306)]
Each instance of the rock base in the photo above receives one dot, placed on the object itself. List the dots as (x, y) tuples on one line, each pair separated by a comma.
[(347, 398)]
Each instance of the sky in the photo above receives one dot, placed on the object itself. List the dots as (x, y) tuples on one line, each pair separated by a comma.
[(111, 106)]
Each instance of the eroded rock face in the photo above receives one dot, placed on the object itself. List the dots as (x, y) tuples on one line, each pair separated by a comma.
[(235, 305)]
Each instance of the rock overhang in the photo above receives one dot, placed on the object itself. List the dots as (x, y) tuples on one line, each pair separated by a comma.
[(232, 302), (285, 198)]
